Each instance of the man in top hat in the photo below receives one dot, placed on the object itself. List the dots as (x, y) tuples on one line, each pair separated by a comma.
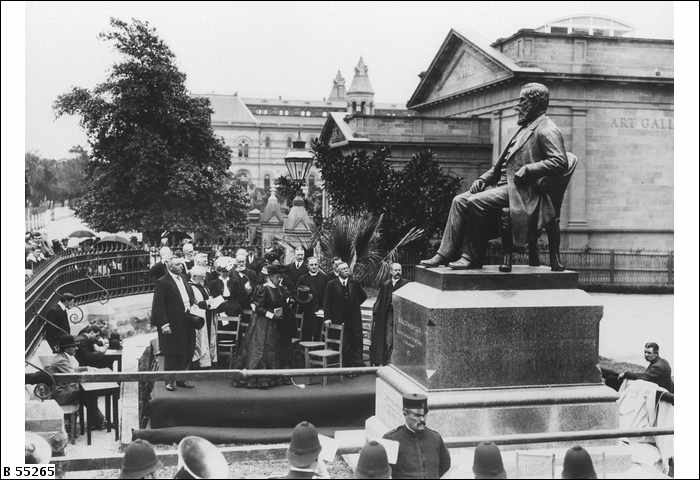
[(140, 460), (302, 454), (373, 462), (382, 333), (57, 320), (488, 462), (422, 453), (315, 281)]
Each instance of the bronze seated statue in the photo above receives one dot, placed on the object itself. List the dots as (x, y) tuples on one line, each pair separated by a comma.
[(555, 187)]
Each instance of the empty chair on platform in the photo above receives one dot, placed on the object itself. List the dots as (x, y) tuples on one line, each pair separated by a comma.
[(332, 354), (227, 341)]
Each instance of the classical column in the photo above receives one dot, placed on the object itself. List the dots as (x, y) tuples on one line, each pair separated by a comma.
[(577, 201), (496, 134)]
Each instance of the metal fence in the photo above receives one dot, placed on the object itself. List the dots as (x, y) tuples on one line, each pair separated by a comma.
[(597, 269), (91, 276)]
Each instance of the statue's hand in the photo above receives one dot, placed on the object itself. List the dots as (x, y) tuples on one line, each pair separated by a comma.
[(520, 176), (478, 186)]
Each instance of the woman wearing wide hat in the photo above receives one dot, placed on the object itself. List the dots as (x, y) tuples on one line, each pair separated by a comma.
[(263, 346)]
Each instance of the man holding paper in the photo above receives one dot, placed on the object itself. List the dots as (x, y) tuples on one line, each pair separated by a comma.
[(422, 452)]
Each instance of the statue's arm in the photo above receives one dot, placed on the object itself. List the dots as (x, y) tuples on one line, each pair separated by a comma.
[(490, 176), (554, 160)]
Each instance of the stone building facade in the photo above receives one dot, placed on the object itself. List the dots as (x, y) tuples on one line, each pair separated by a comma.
[(462, 146), (260, 131), (612, 97)]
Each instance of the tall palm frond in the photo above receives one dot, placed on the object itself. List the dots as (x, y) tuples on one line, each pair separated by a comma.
[(392, 255)]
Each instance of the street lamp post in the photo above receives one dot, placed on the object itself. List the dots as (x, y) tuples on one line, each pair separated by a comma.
[(298, 162), (298, 226)]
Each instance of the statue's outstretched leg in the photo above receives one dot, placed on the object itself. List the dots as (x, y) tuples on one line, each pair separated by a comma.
[(506, 241), (554, 239)]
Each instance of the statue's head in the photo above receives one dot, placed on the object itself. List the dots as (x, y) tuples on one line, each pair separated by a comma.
[(534, 100)]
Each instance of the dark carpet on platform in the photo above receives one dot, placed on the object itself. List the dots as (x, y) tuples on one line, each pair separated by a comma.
[(215, 403)]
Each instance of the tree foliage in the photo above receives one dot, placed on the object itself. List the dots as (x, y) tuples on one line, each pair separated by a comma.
[(416, 195), (155, 163), (57, 180)]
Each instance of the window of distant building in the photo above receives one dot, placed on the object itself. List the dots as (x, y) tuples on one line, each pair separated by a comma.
[(281, 112), (266, 181), (286, 112), (243, 149), (289, 142), (312, 182), (559, 30), (264, 112), (324, 114), (267, 142)]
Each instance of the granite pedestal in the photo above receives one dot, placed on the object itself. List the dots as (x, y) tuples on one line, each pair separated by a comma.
[(496, 353)]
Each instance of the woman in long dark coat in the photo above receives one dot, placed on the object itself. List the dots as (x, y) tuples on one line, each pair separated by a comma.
[(264, 345)]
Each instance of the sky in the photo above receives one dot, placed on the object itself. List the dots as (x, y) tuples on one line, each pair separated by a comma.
[(287, 49)]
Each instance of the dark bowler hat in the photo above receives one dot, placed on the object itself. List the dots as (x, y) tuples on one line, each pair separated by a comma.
[(373, 462), (139, 460), (304, 447), (66, 341), (415, 400), (304, 294), (488, 462), (578, 464)]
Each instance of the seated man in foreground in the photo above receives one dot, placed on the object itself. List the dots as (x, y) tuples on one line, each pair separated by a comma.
[(535, 151)]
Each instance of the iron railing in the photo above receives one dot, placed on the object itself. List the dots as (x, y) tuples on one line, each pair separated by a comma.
[(91, 276), (597, 269)]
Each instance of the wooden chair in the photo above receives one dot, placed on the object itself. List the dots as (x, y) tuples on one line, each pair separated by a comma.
[(534, 465), (227, 341), (332, 354), (299, 319)]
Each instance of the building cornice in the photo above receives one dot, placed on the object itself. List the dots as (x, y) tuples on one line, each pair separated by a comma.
[(660, 81), (527, 32)]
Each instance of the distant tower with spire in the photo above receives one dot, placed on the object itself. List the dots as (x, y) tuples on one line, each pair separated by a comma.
[(360, 97), (338, 89)]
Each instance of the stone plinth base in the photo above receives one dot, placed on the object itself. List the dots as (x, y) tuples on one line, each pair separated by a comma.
[(461, 412), (456, 330)]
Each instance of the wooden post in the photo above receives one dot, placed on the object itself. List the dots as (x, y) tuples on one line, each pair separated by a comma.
[(612, 266)]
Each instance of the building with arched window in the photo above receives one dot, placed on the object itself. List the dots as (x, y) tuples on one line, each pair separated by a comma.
[(260, 131)]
